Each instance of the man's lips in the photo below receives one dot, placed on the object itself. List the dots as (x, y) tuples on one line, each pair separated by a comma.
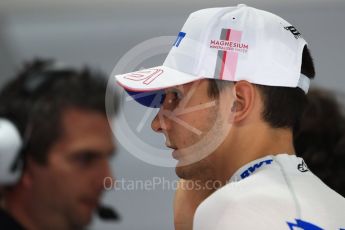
[(175, 153), (91, 202), (171, 146)]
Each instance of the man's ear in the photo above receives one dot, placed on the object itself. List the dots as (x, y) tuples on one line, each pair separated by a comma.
[(244, 97), (28, 173)]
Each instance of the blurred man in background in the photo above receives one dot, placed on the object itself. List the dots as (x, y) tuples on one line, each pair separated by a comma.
[(320, 138), (60, 115)]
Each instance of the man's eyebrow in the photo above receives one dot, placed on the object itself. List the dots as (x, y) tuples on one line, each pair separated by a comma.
[(94, 152), (112, 152), (84, 153), (167, 90), (173, 90)]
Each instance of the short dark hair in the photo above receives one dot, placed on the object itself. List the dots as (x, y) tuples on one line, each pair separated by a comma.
[(320, 138), (37, 96), (283, 106)]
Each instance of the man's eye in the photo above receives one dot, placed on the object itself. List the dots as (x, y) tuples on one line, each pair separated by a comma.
[(85, 159), (173, 97)]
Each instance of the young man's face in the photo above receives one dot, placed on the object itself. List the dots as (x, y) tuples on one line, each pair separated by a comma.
[(69, 186), (194, 126)]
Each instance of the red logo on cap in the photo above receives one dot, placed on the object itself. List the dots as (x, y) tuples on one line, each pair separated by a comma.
[(147, 76)]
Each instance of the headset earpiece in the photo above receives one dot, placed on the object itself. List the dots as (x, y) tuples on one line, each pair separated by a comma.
[(12, 142), (10, 146)]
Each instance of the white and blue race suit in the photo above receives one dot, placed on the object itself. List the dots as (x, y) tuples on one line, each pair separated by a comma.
[(274, 192)]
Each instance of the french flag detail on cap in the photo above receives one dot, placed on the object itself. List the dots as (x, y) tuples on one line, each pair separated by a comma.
[(227, 60)]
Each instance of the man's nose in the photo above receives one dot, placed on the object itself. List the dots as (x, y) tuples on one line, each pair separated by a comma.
[(105, 175), (107, 170), (159, 123)]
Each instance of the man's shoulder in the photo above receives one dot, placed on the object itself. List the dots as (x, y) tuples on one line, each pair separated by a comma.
[(270, 189), (261, 185), (253, 191), (8, 222), (270, 198), (252, 199), (241, 206)]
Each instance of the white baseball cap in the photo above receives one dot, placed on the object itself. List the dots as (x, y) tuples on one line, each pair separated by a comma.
[(230, 43)]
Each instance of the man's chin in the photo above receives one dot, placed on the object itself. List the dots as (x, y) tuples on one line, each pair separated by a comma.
[(181, 172), (190, 172), (191, 168), (83, 216)]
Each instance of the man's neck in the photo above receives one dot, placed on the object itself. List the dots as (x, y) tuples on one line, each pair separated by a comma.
[(29, 214), (246, 148)]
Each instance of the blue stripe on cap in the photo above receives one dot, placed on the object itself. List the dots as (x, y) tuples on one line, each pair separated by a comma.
[(152, 99)]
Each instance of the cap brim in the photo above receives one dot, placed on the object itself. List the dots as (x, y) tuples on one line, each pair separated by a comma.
[(152, 79), (147, 86)]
